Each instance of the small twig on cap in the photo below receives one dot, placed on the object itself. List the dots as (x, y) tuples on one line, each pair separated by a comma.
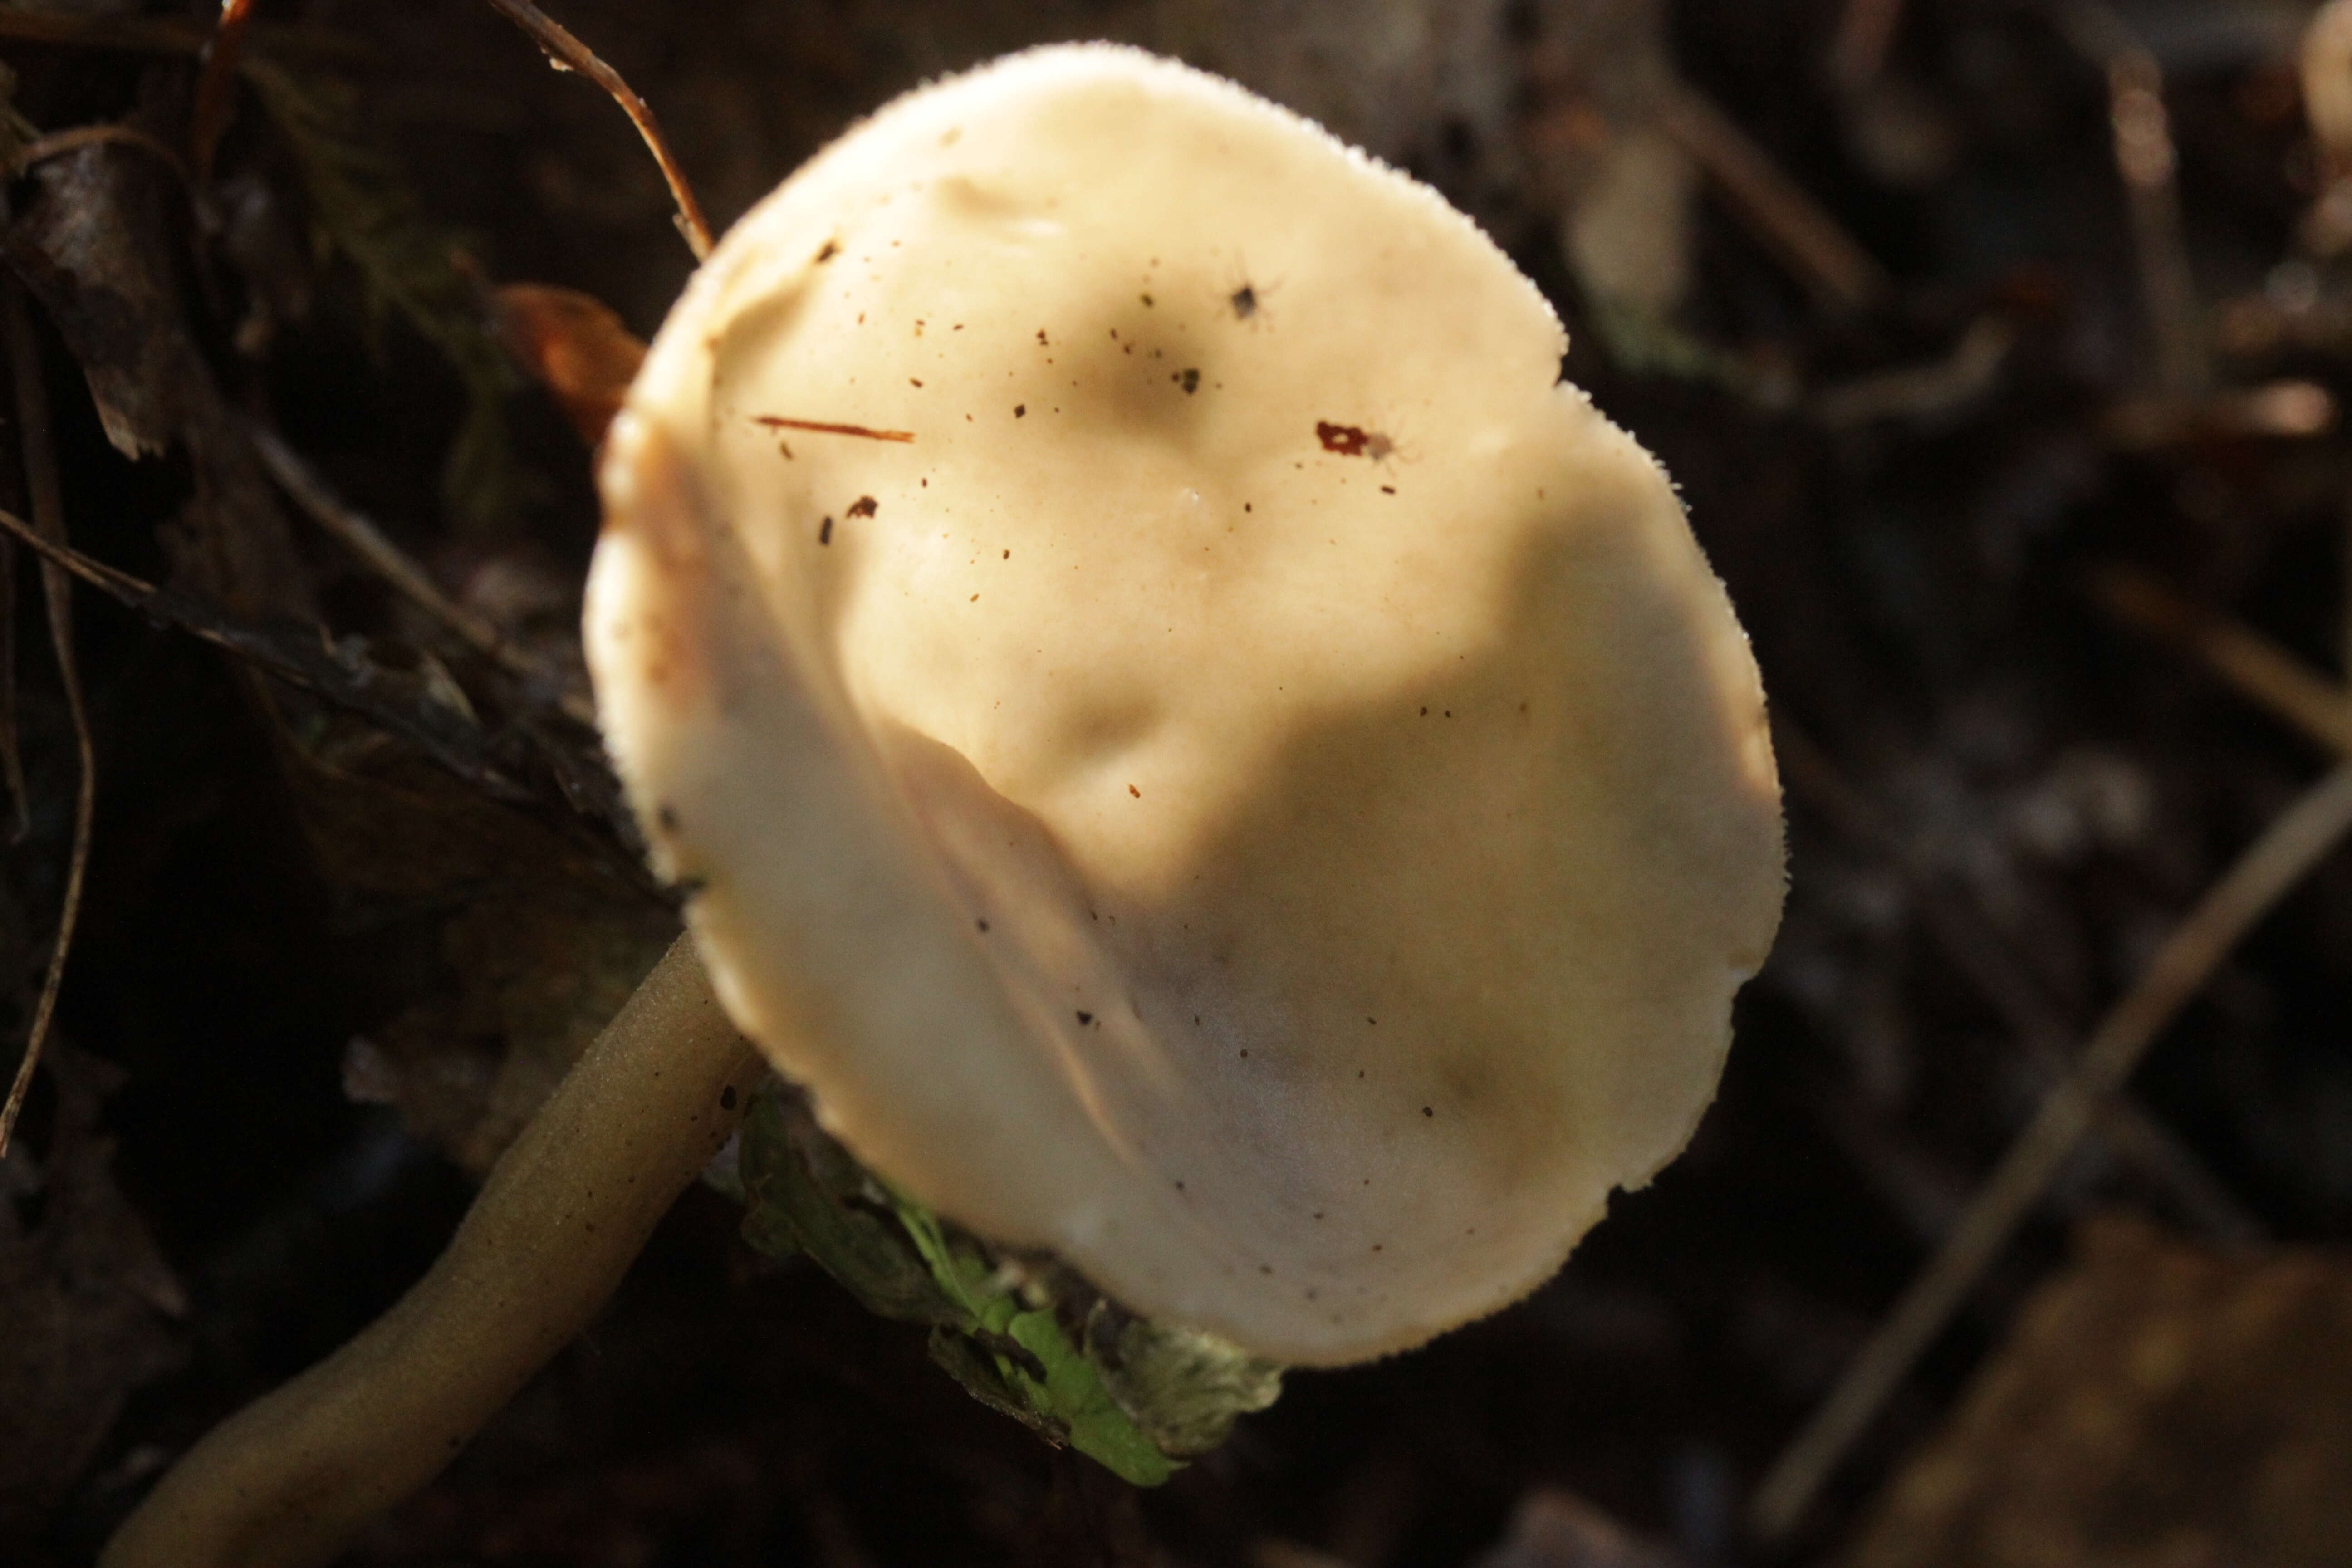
[(49, 518), (818, 426), (2296, 841), (569, 52), (1808, 240)]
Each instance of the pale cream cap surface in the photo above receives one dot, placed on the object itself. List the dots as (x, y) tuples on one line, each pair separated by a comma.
[(1215, 764)]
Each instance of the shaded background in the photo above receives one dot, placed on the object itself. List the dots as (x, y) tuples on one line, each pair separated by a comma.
[(1997, 349)]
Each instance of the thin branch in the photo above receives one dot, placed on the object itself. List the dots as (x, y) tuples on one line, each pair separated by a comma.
[(1865, 32), (571, 54), (1977, 949), (217, 87), (12, 751), (126, 35), (778, 422), (307, 661), (59, 143), (48, 520), (2287, 850), (2260, 669), (2149, 167), (163, 35), (1811, 243), (358, 534)]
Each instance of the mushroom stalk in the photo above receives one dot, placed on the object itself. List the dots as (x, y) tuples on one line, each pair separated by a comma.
[(294, 1478)]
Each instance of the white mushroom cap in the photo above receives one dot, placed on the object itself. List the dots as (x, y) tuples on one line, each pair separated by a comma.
[(1196, 746)]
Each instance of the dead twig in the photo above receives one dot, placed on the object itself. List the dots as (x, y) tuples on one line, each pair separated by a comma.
[(41, 479), (570, 54), (1807, 239), (2262, 671), (359, 535), (12, 751), (1866, 31), (59, 143), (299, 656), (124, 35), (160, 35), (1970, 942), (2287, 850), (1923, 392), (2324, 65), (2149, 167), (217, 87)]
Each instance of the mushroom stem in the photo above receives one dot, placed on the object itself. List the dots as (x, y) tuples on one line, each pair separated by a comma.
[(292, 1479)]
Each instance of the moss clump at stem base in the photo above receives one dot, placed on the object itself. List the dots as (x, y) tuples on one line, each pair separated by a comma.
[(1026, 1337)]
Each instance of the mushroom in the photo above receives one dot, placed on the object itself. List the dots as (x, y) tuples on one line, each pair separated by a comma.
[(1267, 804), (1199, 752)]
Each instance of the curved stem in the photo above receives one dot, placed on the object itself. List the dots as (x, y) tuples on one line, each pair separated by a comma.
[(292, 1479)]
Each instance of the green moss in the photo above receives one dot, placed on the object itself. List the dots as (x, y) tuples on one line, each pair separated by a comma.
[(1027, 1339)]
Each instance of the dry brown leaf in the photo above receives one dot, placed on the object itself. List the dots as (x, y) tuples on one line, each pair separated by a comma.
[(2158, 1404), (534, 939), (577, 348), (95, 248), (88, 1305)]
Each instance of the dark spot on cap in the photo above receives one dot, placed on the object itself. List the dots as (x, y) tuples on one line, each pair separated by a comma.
[(1426, 1111), (1085, 1017), (727, 1098), (1135, 791), (1041, 333), (1385, 490), (1191, 382), (666, 815), (1020, 410), (828, 251), (1243, 300), (864, 506), (1146, 299), (983, 925), (1346, 440), (825, 531)]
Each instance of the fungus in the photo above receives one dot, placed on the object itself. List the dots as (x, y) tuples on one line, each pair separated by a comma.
[(1204, 732), (1072, 902)]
